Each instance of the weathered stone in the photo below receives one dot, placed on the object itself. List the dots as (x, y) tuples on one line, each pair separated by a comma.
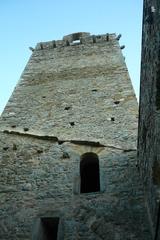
[(79, 100), (149, 114)]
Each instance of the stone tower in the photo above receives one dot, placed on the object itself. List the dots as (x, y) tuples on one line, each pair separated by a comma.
[(149, 120), (68, 146)]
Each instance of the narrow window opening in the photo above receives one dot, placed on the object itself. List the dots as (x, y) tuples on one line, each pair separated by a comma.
[(54, 44), (67, 43), (89, 173), (94, 39), (49, 228), (107, 37)]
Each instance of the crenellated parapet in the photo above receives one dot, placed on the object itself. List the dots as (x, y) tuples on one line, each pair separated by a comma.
[(76, 39)]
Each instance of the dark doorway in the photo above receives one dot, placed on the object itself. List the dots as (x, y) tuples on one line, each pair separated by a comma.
[(50, 228), (89, 172)]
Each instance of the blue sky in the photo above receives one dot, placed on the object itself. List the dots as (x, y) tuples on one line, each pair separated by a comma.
[(24, 23)]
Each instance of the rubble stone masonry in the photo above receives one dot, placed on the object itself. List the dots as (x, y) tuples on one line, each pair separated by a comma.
[(74, 99), (149, 120)]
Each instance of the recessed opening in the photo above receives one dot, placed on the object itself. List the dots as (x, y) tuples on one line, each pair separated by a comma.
[(94, 39), (116, 102), (26, 129), (60, 142), (67, 108), (43, 96), (156, 172), (94, 90), (65, 155), (107, 37), (13, 126), (89, 173), (5, 148), (49, 228), (14, 147), (54, 44), (112, 119), (158, 88), (144, 132), (39, 151), (72, 124), (67, 43), (76, 36)]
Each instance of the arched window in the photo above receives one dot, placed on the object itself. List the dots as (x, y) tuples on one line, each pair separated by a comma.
[(89, 173)]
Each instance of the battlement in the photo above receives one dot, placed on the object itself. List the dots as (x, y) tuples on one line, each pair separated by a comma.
[(76, 39)]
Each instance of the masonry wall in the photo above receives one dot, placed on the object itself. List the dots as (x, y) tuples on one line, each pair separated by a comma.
[(88, 79), (72, 98), (149, 121)]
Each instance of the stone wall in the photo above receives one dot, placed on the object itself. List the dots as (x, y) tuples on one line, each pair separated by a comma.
[(74, 97), (38, 180), (77, 92), (149, 121)]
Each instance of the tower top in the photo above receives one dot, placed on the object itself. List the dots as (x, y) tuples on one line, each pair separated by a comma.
[(76, 39), (75, 89)]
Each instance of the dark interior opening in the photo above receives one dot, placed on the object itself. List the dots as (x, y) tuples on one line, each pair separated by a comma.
[(72, 123), (50, 228), (89, 172), (112, 119), (67, 108), (94, 90), (76, 36), (116, 102), (158, 86)]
